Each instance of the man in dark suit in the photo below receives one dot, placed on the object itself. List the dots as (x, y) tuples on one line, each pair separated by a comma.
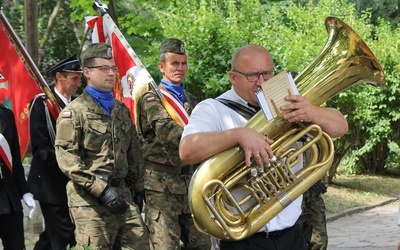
[(13, 186), (45, 179)]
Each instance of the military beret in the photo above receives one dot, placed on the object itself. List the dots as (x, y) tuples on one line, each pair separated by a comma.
[(172, 45), (70, 64), (97, 50)]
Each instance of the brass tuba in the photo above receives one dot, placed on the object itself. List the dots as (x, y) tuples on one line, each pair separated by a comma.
[(344, 61)]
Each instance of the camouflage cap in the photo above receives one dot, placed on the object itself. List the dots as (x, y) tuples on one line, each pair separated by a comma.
[(97, 50), (173, 45)]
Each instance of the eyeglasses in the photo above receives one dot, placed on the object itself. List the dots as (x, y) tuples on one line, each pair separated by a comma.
[(254, 76), (105, 68)]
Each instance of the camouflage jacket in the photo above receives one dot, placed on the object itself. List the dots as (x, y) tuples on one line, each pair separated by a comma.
[(160, 144), (94, 149)]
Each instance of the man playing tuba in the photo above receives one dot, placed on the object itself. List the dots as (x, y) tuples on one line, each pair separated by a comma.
[(214, 127)]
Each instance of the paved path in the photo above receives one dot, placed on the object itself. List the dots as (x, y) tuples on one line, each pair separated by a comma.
[(360, 228), (375, 228)]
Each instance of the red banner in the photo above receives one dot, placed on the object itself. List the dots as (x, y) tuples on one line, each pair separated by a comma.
[(17, 86)]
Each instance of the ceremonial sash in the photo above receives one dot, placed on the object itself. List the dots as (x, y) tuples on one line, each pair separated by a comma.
[(5, 152), (181, 113)]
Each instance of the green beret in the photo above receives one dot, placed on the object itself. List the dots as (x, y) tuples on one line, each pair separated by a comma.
[(97, 50), (173, 45)]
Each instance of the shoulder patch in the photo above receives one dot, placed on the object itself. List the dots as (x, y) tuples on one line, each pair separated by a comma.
[(66, 114)]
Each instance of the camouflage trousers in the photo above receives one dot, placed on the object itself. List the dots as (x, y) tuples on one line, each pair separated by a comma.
[(314, 229), (98, 228), (170, 223)]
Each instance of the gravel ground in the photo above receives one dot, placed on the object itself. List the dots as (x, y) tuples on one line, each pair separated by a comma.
[(33, 227)]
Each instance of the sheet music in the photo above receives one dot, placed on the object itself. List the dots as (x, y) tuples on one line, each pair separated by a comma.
[(263, 104), (271, 95)]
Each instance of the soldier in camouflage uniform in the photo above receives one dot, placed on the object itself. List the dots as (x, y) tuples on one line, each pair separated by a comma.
[(314, 230), (97, 147), (166, 209)]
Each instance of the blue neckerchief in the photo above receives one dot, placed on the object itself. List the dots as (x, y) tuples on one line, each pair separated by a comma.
[(176, 91), (104, 99)]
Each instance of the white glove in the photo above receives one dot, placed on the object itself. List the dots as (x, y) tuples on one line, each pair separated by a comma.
[(30, 202)]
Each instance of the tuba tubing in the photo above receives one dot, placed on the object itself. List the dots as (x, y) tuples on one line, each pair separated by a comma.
[(344, 61)]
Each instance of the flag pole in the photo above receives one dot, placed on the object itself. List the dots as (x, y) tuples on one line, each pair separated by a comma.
[(33, 70), (102, 8)]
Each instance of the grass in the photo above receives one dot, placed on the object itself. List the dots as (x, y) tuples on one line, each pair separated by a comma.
[(348, 191)]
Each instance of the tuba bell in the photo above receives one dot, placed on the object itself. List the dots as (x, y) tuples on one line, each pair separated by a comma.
[(344, 61)]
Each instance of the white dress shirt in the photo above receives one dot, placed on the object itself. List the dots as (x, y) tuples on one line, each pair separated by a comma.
[(211, 115)]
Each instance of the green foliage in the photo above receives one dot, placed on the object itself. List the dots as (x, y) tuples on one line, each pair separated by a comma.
[(58, 46), (209, 25), (143, 32), (380, 9), (15, 9), (374, 116), (295, 34), (293, 31), (62, 42), (137, 23), (73, 248)]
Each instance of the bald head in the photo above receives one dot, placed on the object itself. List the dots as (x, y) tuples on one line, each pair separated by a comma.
[(250, 62), (246, 52)]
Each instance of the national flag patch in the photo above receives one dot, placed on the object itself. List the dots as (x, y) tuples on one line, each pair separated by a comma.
[(150, 99), (67, 114)]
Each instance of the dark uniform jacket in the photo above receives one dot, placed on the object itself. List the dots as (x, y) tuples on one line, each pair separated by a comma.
[(46, 181), (12, 185)]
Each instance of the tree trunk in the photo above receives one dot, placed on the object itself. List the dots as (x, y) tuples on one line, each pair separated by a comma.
[(340, 151), (50, 23), (31, 30), (111, 12), (379, 155)]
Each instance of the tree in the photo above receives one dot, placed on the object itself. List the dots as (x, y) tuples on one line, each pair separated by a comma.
[(51, 23), (293, 31), (388, 10), (56, 37), (31, 29), (295, 35)]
